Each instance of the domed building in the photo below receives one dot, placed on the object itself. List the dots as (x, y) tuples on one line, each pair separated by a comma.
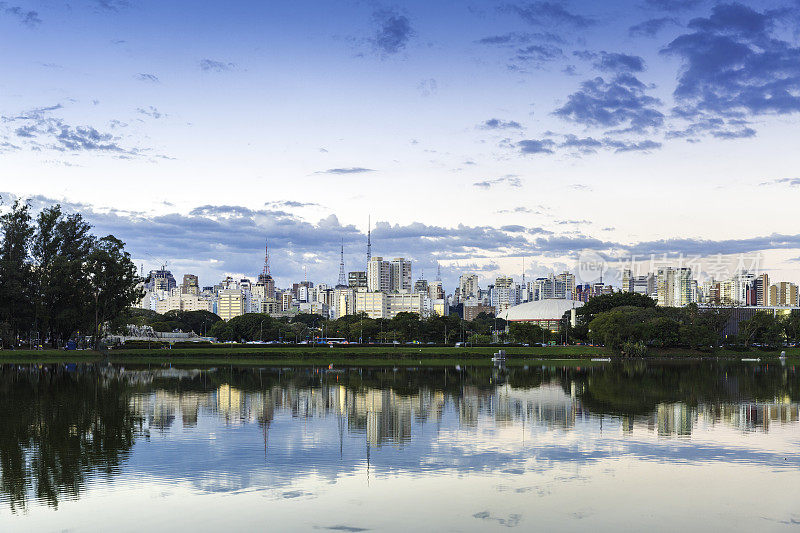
[(546, 314)]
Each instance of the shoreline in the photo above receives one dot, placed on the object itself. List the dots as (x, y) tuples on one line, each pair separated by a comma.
[(373, 356)]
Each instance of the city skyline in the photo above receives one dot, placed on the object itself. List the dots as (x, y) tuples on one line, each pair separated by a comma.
[(474, 134)]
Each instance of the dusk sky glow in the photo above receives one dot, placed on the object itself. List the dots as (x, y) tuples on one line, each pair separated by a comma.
[(472, 132)]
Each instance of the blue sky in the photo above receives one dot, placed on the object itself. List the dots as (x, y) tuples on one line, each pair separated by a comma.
[(474, 133)]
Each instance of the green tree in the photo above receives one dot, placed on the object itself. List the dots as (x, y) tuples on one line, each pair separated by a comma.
[(16, 273), (527, 333), (113, 281), (763, 328)]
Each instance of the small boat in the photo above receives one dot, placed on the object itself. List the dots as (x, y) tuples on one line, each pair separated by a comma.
[(499, 357), (601, 359), (783, 355), (751, 359)]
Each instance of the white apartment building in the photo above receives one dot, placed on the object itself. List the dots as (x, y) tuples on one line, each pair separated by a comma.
[(504, 294), (379, 275), (400, 270), (468, 287), (230, 303), (388, 305)]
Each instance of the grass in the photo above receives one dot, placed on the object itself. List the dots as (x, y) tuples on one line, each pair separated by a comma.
[(351, 355)]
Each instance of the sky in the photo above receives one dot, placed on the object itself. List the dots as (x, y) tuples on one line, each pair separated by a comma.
[(475, 135)]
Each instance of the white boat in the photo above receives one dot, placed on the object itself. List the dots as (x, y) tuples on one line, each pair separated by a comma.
[(601, 359), (751, 359)]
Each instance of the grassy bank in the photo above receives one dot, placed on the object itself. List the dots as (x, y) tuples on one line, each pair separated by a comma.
[(353, 355)]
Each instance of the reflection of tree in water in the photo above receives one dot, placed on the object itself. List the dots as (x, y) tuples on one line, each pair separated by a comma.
[(637, 388), (58, 429), (62, 428)]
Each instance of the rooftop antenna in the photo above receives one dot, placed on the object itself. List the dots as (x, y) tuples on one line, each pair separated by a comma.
[(523, 270), (369, 238), (438, 272), (342, 278)]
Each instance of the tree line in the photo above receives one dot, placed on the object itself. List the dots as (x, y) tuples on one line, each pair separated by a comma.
[(58, 281), (631, 323)]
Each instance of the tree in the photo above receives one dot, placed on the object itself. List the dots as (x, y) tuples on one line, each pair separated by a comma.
[(602, 303), (16, 273), (64, 278), (762, 328), (113, 281), (525, 332)]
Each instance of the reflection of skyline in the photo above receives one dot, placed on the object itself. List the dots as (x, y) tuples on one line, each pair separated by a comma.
[(224, 430), (385, 416)]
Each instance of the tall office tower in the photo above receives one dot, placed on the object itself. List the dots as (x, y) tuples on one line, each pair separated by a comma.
[(400, 275), (683, 287), (357, 279), (665, 286), (761, 284), (421, 285), (468, 287), (783, 294), (544, 288), (504, 295), (379, 275), (161, 279), (190, 284), (742, 282), (627, 280), (435, 290), (643, 284), (565, 286)]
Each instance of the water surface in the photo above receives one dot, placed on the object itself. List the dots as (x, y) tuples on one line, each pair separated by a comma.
[(663, 446)]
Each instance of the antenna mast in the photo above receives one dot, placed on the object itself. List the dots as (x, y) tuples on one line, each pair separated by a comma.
[(342, 278), (369, 238), (266, 259)]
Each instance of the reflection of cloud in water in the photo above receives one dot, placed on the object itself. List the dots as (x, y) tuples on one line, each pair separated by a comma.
[(270, 439)]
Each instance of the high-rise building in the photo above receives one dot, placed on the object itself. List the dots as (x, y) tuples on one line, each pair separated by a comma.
[(468, 287), (784, 294), (379, 275), (544, 288), (684, 288), (761, 285), (400, 275), (665, 286), (504, 295), (230, 303), (675, 287), (161, 279), (421, 285), (436, 290), (564, 286), (357, 279), (190, 284)]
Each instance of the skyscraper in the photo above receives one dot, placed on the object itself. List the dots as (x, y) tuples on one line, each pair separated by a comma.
[(190, 284), (400, 275), (379, 275)]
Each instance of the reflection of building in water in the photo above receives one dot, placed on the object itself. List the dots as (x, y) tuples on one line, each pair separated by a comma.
[(546, 405), (675, 419), (752, 416), (387, 416)]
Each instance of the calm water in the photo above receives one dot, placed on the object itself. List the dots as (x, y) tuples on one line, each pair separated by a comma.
[(694, 446)]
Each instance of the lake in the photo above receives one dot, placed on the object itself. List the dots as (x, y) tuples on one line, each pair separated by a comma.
[(663, 446)]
